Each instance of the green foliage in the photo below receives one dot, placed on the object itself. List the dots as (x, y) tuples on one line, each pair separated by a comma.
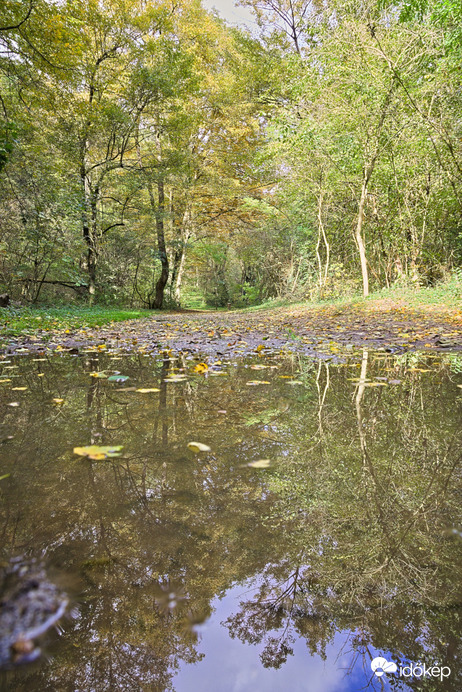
[(8, 132), (139, 135)]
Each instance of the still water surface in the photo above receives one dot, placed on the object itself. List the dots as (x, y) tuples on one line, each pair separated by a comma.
[(195, 571)]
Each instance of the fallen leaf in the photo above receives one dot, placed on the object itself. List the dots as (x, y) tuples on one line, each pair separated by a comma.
[(58, 401), (176, 378), (260, 464), (118, 378), (148, 390), (254, 383), (97, 453), (201, 368), (198, 447), (18, 389)]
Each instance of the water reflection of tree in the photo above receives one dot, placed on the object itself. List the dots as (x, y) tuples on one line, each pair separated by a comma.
[(155, 535), (346, 531), (370, 553)]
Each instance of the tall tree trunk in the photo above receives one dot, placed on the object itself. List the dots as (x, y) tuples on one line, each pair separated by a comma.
[(359, 235), (89, 263), (368, 170), (181, 266), (322, 235), (89, 227), (163, 278), (182, 234), (159, 213)]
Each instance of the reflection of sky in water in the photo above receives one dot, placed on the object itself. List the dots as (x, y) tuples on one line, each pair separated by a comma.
[(231, 666)]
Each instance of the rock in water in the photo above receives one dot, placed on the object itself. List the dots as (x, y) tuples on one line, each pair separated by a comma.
[(29, 606)]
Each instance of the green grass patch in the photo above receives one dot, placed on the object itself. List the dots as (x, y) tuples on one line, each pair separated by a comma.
[(446, 293), (26, 320)]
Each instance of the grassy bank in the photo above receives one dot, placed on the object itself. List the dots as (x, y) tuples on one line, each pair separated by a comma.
[(447, 295), (26, 320), (442, 299)]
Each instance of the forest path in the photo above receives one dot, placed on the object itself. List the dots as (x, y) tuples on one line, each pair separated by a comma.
[(314, 330)]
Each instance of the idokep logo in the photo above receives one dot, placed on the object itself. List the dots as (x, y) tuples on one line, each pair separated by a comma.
[(380, 666)]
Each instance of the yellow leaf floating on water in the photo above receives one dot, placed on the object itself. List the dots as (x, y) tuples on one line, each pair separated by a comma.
[(198, 447), (259, 348), (58, 401), (260, 464), (201, 368), (4, 381), (18, 389), (254, 383), (176, 378), (97, 453), (148, 390)]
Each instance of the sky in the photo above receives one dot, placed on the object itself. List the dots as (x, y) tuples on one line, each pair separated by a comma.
[(229, 665), (228, 10)]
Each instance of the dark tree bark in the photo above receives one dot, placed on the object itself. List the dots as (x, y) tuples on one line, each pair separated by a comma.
[(163, 278)]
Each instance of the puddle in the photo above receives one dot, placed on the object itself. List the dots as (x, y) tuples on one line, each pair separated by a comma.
[(321, 529)]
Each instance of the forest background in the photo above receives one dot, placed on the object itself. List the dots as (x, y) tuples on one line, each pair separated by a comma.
[(153, 156)]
